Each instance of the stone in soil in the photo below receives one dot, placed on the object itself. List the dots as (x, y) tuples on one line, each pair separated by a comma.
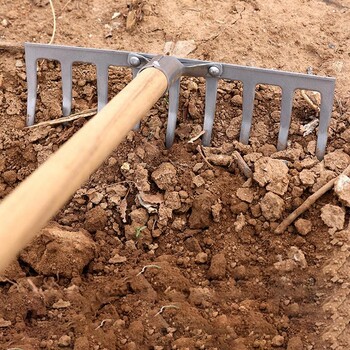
[(165, 176), (272, 206), (58, 251), (342, 189), (95, 219), (273, 174), (239, 223), (298, 256), (217, 268), (201, 258), (216, 210), (303, 226), (333, 216)]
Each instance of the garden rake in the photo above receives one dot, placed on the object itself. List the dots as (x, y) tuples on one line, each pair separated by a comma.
[(211, 71), (28, 208)]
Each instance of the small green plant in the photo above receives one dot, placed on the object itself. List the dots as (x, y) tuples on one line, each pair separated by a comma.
[(138, 231)]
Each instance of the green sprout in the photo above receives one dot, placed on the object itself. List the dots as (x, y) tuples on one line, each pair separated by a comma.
[(138, 231)]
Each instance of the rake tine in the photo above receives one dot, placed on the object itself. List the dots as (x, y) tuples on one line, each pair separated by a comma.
[(102, 86), (210, 104), (134, 73), (247, 110), (286, 114), (174, 91), (31, 65), (325, 116), (66, 69)]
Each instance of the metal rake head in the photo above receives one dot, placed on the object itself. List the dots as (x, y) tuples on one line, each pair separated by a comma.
[(211, 71)]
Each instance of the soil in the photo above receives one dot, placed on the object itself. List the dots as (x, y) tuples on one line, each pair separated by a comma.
[(159, 249)]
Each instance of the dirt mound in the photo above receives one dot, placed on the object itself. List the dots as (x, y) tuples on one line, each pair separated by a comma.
[(162, 249)]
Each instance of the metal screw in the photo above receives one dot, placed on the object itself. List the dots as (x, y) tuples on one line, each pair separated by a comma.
[(214, 71), (134, 61)]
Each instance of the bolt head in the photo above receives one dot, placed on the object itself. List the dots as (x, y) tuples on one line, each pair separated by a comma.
[(134, 61), (214, 71)]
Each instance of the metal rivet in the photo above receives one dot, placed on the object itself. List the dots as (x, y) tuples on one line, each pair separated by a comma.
[(214, 71), (134, 61)]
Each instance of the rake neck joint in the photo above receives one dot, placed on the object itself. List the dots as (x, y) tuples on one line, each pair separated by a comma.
[(171, 67)]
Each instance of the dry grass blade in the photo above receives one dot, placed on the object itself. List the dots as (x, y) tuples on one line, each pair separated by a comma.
[(84, 114), (54, 23)]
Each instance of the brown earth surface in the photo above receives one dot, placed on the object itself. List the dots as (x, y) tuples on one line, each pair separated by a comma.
[(159, 250)]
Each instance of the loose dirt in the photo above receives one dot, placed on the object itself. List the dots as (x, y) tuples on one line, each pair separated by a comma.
[(161, 249)]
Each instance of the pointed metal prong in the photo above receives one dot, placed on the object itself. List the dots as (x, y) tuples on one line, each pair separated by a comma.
[(31, 64), (286, 115), (325, 117), (211, 86), (247, 111), (135, 71), (66, 68), (102, 86), (174, 92)]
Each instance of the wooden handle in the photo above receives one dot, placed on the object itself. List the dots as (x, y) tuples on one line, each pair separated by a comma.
[(29, 207)]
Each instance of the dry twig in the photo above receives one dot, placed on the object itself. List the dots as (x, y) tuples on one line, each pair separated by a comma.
[(309, 102), (83, 114), (308, 203), (200, 150), (242, 165)]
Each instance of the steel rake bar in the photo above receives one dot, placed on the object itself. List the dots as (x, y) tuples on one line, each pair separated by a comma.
[(211, 71)]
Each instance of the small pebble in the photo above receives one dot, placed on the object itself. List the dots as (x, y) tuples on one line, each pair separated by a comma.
[(201, 258), (277, 341), (64, 341)]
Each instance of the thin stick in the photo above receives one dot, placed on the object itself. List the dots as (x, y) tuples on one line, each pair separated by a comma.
[(309, 102), (83, 114), (11, 46), (308, 203), (65, 5), (242, 165), (54, 23), (200, 150)]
